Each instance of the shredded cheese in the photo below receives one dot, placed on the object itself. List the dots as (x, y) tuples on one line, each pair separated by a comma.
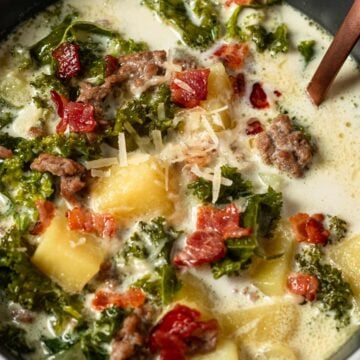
[(157, 139), (219, 110), (101, 163), (210, 130), (166, 177), (216, 184), (100, 173), (209, 176), (161, 111), (123, 159), (183, 85)]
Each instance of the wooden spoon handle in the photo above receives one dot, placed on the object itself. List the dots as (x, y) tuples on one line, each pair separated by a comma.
[(341, 47)]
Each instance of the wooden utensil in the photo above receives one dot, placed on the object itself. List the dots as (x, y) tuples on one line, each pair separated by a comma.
[(344, 41)]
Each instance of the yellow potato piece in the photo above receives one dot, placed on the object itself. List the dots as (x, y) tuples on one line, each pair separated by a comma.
[(346, 256), (133, 191), (69, 258), (219, 95), (270, 275), (275, 322), (225, 350)]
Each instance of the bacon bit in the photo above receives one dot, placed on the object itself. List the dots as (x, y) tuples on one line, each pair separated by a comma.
[(5, 153), (238, 84), (77, 115), (309, 228), (223, 221), (254, 127), (85, 220), (277, 93), (258, 97), (46, 210), (111, 65), (206, 244), (180, 332), (196, 80), (80, 117), (239, 2), (202, 247), (304, 285), (68, 60), (132, 298), (234, 55)]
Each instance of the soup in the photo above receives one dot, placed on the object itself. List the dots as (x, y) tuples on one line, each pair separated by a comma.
[(169, 191)]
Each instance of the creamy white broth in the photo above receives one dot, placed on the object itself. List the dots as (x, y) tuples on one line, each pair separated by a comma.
[(331, 186)]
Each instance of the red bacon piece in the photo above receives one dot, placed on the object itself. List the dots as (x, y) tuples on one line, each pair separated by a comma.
[(68, 60), (258, 97), (254, 127), (180, 332), (77, 115), (234, 55), (202, 247), (309, 228), (190, 87), (46, 210), (133, 298), (304, 285), (225, 221), (239, 2), (238, 84), (85, 220), (111, 65)]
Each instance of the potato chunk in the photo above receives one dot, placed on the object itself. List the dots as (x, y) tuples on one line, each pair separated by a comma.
[(225, 349), (346, 256), (133, 191), (219, 95), (270, 275), (275, 322), (69, 258), (269, 351)]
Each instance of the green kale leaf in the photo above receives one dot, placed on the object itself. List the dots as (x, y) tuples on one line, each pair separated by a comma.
[(7, 113), (143, 114), (338, 229), (306, 49), (334, 295), (202, 189), (153, 243), (175, 12)]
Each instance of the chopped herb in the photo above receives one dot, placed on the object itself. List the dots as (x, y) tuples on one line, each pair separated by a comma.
[(259, 36), (338, 229), (306, 49), (142, 113), (153, 243), (175, 12), (280, 40), (334, 294), (202, 189)]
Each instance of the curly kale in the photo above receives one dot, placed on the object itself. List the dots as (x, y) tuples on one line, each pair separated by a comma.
[(202, 189), (90, 339), (338, 229), (306, 49), (143, 114), (261, 215), (23, 186), (13, 339), (153, 243), (7, 113), (175, 12), (334, 295)]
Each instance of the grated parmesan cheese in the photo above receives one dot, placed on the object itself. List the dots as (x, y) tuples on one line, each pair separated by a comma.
[(161, 111), (100, 173), (157, 139), (209, 176), (183, 85), (216, 184), (210, 130), (123, 159), (101, 163)]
